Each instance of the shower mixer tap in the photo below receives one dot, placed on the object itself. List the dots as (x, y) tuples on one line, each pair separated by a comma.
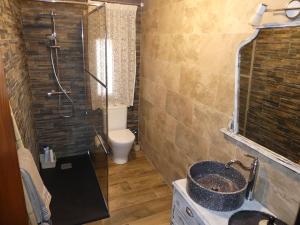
[(52, 36), (54, 60), (54, 46), (53, 92)]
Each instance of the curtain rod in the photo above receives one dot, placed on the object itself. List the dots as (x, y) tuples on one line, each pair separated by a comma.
[(89, 3)]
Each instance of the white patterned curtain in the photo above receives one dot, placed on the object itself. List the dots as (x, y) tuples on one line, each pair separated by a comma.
[(121, 53), (96, 56), (119, 21)]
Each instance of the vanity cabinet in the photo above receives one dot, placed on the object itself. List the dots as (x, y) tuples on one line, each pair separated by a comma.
[(186, 212), (182, 212)]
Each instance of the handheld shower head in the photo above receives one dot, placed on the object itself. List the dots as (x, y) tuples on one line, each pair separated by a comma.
[(256, 19)]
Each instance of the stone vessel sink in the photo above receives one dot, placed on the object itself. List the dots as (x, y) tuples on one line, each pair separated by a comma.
[(213, 186), (254, 218)]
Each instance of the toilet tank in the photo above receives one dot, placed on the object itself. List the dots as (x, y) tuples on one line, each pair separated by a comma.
[(117, 117)]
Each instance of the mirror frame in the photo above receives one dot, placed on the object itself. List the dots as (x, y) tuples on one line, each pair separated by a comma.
[(233, 132)]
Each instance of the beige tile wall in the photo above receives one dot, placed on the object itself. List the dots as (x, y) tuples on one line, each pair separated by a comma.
[(187, 92)]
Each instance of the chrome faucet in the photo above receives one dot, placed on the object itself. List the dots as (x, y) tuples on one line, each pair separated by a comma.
[(252, 175)]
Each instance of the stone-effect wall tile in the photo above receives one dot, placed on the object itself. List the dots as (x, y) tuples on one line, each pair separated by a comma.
[(179, 107), (67, 136), (207, 120), (225, 94), (198, 86), (190, 143), (12, 48), (164, 124), (155, 94)]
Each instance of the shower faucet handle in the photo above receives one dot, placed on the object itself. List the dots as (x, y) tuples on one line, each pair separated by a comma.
[(53, 92), (54, 46)]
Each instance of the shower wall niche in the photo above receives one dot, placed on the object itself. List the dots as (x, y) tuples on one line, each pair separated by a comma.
[(67, 136)]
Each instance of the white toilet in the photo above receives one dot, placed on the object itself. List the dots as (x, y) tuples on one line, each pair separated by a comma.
[(120, 138)]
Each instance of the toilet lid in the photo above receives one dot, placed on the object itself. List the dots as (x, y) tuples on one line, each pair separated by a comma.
[(121, 136)]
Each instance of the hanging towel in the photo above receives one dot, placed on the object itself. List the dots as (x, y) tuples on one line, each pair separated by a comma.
[(37, 192), (30, 212)]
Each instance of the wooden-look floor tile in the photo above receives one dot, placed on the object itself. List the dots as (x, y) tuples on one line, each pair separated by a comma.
[(138, 194)]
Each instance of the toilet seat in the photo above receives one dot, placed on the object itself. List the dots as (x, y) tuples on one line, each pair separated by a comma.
[(121, 136)]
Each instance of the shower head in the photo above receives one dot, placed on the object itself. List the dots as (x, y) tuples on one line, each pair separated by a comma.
[(256, 19)]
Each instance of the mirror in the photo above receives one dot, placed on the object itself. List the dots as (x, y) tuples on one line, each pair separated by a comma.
[(268, 111)]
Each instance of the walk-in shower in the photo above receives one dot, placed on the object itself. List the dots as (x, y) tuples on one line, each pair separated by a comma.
[(67, 49), (54, 60), (65, 118)]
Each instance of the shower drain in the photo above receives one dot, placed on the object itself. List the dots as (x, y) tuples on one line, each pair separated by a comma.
[(66, 166)]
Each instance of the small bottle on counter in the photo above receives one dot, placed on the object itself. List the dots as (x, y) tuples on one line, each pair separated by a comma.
[(51, 156), (47, 153)]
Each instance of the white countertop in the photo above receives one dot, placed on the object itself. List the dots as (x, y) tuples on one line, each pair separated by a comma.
[(211, 217)]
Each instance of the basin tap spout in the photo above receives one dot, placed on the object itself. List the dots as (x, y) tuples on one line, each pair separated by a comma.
[(253, 169), (238, 162)]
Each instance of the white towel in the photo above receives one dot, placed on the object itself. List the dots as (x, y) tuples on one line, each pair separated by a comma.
[(37, 192)]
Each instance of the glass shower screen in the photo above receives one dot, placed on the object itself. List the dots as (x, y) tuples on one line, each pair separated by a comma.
[(95, 51)]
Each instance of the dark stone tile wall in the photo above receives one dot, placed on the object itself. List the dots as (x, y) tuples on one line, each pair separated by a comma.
[(132, 120), (67, 136), (12, 51), (274, 106)]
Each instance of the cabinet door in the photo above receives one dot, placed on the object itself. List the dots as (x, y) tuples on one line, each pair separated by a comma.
[(12, 202), (183, 213), (173, 222), (179, 219)]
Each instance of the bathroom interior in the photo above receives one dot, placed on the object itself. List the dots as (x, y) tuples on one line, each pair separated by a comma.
[(149, 112)]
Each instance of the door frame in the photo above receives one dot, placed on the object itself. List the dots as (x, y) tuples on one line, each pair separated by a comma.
[(12, 200)]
